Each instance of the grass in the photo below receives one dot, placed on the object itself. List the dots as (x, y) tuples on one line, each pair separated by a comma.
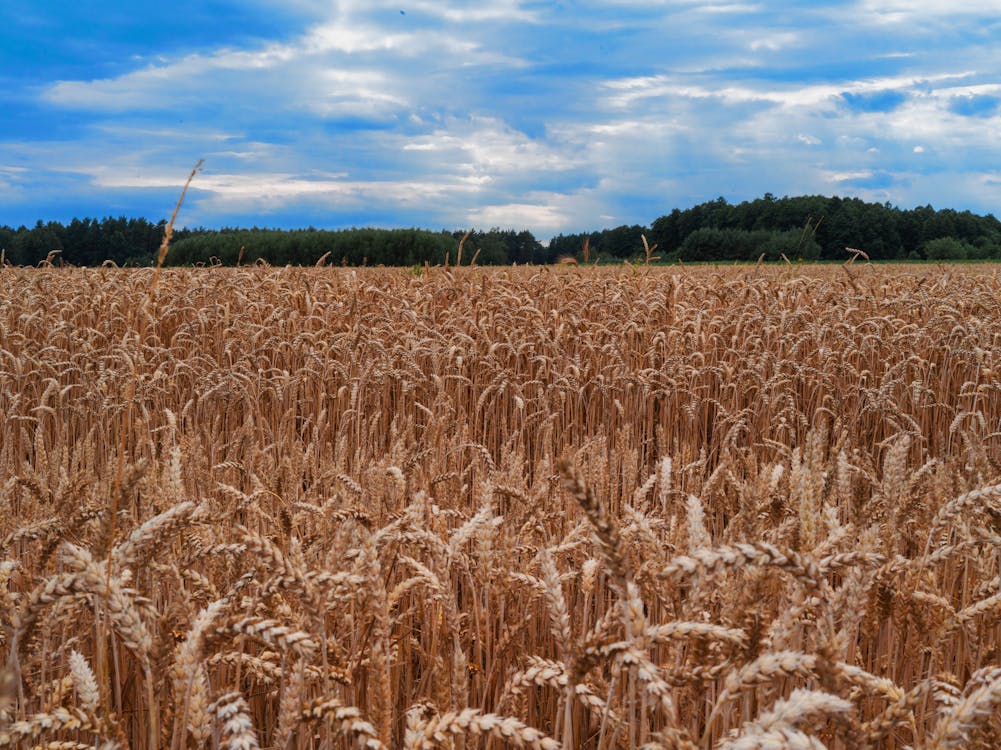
[(478, 508)]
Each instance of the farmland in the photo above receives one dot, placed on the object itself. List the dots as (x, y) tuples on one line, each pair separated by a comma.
[(483, 508)]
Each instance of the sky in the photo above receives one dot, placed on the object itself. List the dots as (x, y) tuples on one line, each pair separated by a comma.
[(554, 116)]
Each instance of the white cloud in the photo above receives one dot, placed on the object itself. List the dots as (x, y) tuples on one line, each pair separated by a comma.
[(547, 212), (514, 215), (507, 11), (907, 11), (630, 91), (343, 65), (776, 41), (929, 121), (201, 79), (261, 186), (451, 11), (862, 174), (729, 8), (487, 146)]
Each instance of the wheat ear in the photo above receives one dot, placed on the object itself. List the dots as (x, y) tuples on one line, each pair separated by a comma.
[(973, 710), (440, 729), (232, 711), (346, 720)]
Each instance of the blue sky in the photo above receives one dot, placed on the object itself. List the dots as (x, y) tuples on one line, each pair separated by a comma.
[(553, 116)]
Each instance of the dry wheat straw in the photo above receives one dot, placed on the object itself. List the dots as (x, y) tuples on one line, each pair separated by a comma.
[(333, 497)]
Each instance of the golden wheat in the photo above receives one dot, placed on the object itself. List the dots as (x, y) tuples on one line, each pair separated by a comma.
[(477, 508)]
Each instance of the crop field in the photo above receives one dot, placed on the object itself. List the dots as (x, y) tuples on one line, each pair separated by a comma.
[(325, 508)]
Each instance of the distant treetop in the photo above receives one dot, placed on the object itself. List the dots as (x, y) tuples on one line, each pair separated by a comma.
[(804, 227)]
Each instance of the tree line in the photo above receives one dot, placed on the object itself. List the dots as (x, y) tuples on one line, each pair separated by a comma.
[(136, 242), (804, 227), (356, 247)]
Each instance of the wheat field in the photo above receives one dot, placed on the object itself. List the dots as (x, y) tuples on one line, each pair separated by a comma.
[(469, 508)]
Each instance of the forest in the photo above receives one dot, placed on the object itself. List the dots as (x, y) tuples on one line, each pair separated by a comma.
[(793, 228)]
